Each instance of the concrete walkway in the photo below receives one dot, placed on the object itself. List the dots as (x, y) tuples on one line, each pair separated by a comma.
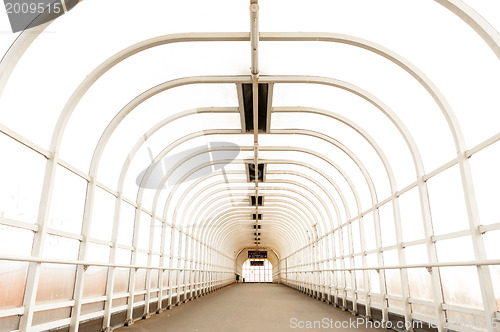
[(250, 307)]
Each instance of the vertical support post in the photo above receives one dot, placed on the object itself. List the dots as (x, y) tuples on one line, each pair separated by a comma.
[(342, 266), (402, 261), (106, 324), (352, 273), (161, 273), (254, 35), (254, 41), (177, 270), (171, 265), (366, 280), (380, 263), (146, 312), (484, 274), (432, 254), (133, 261), (38, 244), (187, 272), (82, 254)]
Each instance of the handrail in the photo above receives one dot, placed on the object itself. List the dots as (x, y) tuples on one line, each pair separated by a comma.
[(406, 266), (77, 262)]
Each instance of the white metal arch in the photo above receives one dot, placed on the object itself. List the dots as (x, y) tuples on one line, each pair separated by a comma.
[(463, 11), (215, 200)]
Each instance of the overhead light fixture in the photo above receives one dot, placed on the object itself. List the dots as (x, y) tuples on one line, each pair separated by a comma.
[(251, 172), (263, 105), (259, 200), (257, 217)]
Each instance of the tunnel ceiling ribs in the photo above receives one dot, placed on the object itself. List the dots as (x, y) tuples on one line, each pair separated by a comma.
[(320, 188)]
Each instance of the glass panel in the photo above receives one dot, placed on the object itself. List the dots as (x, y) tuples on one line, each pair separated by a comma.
[(446, 196), (13, 241), (458, 320), (416, 254), (485, 165), (387, 226), (102, 215), (122, 257), (68, 200), (166, 252), (282, 168), (461, 287), (21, 176), (47, 316), (144, 231), (126, 229), (61, 248), (345, 135), (175, 240), (119, 302), (97, 253), (151, 112), (141, 259), (140, 280), (492, 244), (92, 307), (121, 280), (495, 275), (411, 216), (72, 44), (325, 170), (392, 277), (10, 323), (95, 282), (56, 283), (369, 229), (356, 237), (57, 280), (475, 90), (455, 250), (420, 284), (157, 230), (371, 261), (96, 277), (13, 281), (436, 148), (425, 311)]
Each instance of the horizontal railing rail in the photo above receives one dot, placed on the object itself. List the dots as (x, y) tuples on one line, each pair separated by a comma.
[(397, 267), (100, 264)]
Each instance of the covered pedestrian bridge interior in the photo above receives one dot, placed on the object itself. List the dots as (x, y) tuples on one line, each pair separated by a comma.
[(154, 152)]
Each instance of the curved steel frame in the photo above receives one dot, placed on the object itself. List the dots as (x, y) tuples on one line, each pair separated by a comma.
[(489, 35)]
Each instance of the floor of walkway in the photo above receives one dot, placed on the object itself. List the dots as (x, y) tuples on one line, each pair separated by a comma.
[(250, 307)]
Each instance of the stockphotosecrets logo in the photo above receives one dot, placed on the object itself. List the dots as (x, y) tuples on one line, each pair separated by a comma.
[(222, 151), (27, 14)]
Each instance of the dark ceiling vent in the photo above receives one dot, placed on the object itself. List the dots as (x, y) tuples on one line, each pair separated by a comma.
[(251, 172), (255, 217), (256, 226), (259, 200), (248, 106)]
